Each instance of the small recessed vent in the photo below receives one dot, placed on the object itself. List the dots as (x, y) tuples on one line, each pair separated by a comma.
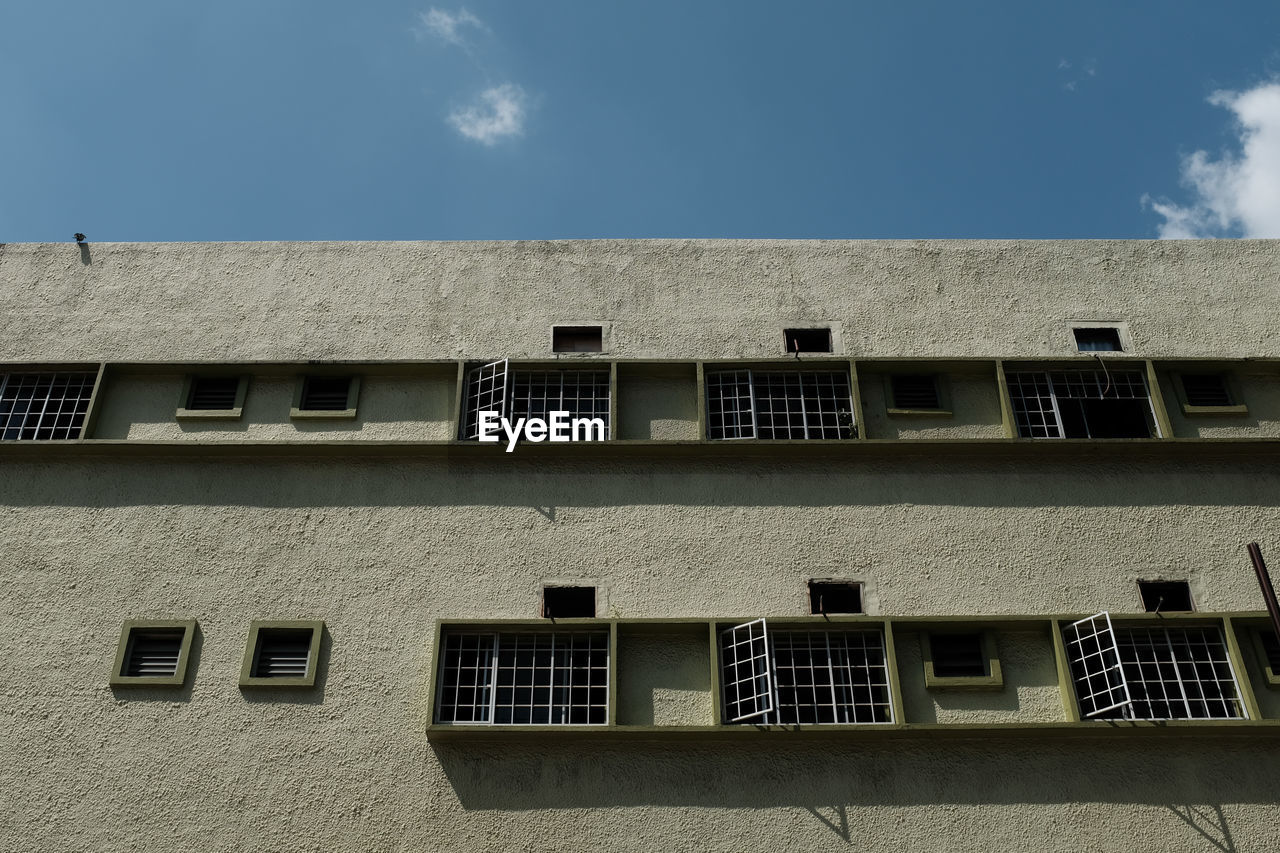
[(829, 596), (915, 392), (282, 653), (569, 602), (958, 655), (577, 339), (1101, 339), (153, 653), (209, 393), (1163, 596), (1206, 389), (325, 393), (807, 340)]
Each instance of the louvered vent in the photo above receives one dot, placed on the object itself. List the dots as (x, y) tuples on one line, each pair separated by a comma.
[(1271, 646), (915, 392), (213, 392), (325, 393), (283, 653), (153, 652), (1206, 389), (958, 655)]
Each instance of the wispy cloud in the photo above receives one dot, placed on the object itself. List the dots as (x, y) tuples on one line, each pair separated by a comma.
[(447, 26), (1075, 73), (497, 114), (1237, 195)]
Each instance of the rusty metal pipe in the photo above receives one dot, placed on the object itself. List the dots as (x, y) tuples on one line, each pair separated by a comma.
[(1264, 581)]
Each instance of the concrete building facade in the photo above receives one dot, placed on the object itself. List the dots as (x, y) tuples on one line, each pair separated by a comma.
[(935, 545)]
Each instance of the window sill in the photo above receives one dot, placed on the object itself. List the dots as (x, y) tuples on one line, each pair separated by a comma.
[(967, 682), (209, 414), (326, 414), (919, 413), (1201, 411)]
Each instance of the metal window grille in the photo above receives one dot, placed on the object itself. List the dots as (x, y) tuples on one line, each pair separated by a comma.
[(214, 393), (1206, 389), (779, 404), (534, 393), (283, 653), (746, 678), (1035, 395), (43, 406), (1156, 673), (325, 393), (538, 678), (1095, 665), (153, 652), (915, 392), (804, 677), (581, 393)]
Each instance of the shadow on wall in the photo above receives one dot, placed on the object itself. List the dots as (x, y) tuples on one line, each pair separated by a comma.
[(831, 779), (545, 485)]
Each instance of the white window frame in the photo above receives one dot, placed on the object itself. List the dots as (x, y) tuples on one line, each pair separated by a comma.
[(1052, 378), (750, 428)]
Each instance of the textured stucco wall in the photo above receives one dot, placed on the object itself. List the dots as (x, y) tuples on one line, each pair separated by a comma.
[(381, 548), (664, 298), (975, 410), (1259, 391)]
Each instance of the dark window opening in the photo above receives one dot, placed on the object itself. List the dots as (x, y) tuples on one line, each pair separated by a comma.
[(1098, 340), (807, 340), (569, 602), (915, 392), (282, 653), (213, 392), (835, 597), (1165, 596), (577, 339), (325, 393), (153, 652), (1105, 418), (958, 655), (1206, 389), (1271, 648)]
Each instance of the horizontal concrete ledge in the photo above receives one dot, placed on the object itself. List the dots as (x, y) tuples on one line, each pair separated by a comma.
[(1255, 729), (870, 449)]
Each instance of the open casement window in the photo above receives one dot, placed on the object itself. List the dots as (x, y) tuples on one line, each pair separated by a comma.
[(779, 404), (514, 394), (541, 678), (1081, 404), (803, 677), (1151, 673)]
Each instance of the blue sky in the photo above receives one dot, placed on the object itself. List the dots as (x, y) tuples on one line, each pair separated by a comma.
[(543, 119)]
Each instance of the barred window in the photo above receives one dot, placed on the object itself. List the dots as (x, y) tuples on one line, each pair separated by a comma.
[(778, 404), (1151, 673), (43, 406), (804, 677), (517, 394), (1081, 404), (536, 678)]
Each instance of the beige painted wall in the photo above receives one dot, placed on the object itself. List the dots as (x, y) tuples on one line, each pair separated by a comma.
[(664, 298), (975, 410), (381, 548)]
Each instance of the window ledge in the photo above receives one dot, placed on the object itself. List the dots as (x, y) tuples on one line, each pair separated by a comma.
[(1199, 411), (209, 414), (322, 414), (919, 413)]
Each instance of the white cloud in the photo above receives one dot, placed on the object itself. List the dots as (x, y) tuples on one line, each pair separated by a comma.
[(497, 114), (447, 25), (1238, 194)]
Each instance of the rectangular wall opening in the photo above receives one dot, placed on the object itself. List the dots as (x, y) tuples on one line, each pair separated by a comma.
[(807, 340), (1165, 596), (569, 602), (835, 596), (577, 339)]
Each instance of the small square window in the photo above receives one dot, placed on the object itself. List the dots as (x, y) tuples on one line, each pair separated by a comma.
[(1099, 339), (569, 602), (916, 394), (153, 653), (282, 654), (835, 596), (213, 397), (961, 659), (807, 340), (1208, 394), (1165, 596), (577, 339), (326, 397)]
